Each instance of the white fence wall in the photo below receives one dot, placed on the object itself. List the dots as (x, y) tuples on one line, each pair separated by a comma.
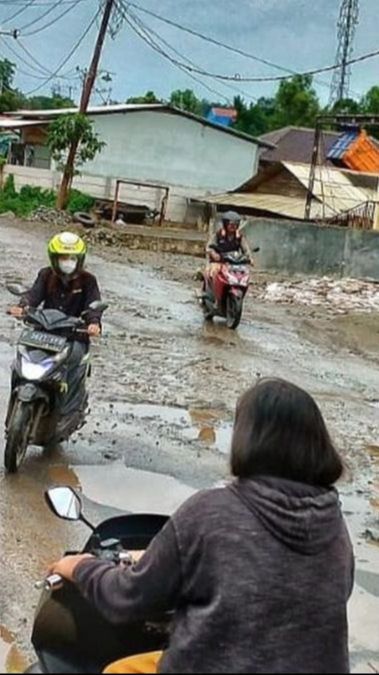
[(104, 188)]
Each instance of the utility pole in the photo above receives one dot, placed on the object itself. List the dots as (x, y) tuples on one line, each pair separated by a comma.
[(88, 86)]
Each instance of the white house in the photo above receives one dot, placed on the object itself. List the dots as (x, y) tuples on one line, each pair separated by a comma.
[(150, 144)]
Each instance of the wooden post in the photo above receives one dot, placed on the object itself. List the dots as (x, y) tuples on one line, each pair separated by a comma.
[(115, 203)]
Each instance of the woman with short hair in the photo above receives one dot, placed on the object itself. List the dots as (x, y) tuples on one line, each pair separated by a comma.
[(259, 573)]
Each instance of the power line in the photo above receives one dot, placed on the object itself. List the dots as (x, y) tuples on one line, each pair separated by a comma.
[(145, 35), (223, 45), (240, 78), (66, 11), (69, 56), (18, 12), (42, 16), (148, 30)]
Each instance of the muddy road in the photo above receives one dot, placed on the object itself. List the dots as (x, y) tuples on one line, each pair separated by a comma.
[(163, 393)]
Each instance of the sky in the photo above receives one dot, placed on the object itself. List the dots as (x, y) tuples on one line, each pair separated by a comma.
[(295, 34)]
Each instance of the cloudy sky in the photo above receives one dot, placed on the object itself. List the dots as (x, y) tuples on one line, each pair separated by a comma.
[(295, 34)]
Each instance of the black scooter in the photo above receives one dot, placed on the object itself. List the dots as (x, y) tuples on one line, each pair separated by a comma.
[(39, 379), (69, 635)]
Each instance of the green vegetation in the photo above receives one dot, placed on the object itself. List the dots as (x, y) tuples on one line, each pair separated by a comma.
[(30, 198)]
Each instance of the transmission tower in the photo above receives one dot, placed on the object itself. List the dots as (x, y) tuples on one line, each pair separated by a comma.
[(347, 25)]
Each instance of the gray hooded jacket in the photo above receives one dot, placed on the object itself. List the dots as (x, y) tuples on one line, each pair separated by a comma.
[(259, 573)]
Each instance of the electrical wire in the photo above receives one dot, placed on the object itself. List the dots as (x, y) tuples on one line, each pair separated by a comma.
[(69, 56), (66, 11), (240, 78), (175, 51), (18, 12)]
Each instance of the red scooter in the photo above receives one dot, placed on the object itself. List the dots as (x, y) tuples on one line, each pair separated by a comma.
[(223, 294)]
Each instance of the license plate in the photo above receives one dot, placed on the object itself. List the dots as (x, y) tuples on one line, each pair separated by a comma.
[(44, 341)]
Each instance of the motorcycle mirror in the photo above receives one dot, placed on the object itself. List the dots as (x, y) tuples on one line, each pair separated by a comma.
[(97, 306), (16, 289), (65, 503)]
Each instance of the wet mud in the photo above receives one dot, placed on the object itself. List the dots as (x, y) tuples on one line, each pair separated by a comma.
[(163, 395)]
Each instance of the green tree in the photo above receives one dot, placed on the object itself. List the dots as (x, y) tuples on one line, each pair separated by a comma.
[(149, 97), (49, 103), (296, 103), (66, 132), (7, 74), (11, 100), (254, 119), (185, 99), (370, 102), (347, 106)]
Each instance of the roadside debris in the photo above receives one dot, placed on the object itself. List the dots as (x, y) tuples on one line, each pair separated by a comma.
[(338, 296), (51, 216)]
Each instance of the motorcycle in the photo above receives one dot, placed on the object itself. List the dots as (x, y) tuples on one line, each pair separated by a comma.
[(225, 293), (39, 379), (69, 635)]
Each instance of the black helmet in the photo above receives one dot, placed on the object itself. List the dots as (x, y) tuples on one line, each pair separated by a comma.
[(231, 217)]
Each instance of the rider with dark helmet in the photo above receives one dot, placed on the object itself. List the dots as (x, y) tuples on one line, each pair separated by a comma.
[(227, 239)]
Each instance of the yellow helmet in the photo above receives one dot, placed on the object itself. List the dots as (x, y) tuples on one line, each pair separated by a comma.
[(66, 244)]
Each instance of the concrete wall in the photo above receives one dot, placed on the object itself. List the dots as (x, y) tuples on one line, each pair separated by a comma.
[(104, 188), (165, 148), (304, 248), (193, 159)]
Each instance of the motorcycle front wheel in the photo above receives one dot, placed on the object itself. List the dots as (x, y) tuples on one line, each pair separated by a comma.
[(234, 308), (18, 436)]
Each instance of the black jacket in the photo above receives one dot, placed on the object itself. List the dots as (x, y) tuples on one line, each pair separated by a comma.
[(259, 575), (72, 297)]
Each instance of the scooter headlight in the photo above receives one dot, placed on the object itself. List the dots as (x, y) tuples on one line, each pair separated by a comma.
[(37, 371)]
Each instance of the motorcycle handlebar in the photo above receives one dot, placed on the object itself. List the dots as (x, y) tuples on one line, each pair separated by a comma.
[(52, 583), (55, 582)]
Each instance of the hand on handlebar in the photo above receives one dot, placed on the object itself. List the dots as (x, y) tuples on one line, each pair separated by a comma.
[(66, 567), (215, 257), (17, 312), (94, 330)]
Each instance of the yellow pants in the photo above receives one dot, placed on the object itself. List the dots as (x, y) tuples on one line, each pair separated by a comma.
[(145, 664)]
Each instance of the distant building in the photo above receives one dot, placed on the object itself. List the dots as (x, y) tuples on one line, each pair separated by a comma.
[(153, 144), (295, 144), (280, 190), (224, 117)]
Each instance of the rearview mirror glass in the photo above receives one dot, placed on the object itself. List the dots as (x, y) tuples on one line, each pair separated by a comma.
[(65, 503), (98, 306), (16, 289)]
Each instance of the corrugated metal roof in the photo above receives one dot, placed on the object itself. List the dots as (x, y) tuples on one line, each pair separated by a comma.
[(362, 155), (295, 144), (92, 110), (289, 207), (342, 145), (132, 108), (335, 192), (18, 124), (339, 190)]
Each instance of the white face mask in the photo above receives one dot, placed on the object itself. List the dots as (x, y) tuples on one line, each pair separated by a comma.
[(68, 266)]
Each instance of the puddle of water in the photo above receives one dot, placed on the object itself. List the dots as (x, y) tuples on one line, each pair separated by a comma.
[(11, 659), (64, 475), (199, 424), (132, 490), (373, 451)]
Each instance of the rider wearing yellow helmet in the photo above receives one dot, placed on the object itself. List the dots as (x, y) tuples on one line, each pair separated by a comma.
[(66, 286)]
